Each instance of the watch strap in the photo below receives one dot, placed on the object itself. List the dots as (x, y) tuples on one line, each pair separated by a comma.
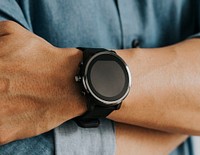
[(89, 52), (98, 112), (91, 118)]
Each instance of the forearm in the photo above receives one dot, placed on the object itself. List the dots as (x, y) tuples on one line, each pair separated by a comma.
[(165, 91), (129, 138), (144, 141)]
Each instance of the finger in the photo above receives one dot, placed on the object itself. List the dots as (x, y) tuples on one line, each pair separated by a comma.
[(8, 27), (5, 27)]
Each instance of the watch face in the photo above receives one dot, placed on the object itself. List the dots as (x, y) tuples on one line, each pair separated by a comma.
[(108, 78)]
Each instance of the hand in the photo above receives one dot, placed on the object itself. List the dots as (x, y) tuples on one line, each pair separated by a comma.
[(36, 84)]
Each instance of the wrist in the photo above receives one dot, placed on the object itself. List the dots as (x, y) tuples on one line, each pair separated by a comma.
[(105, 79), (74, 104)]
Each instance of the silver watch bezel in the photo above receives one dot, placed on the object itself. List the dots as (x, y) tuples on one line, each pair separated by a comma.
[(89, 90)]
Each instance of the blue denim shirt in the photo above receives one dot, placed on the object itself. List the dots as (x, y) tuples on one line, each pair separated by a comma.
[(115, 24)]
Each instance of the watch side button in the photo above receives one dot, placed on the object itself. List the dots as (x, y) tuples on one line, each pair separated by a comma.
[(83, 92), (81, 64), (77, 78)]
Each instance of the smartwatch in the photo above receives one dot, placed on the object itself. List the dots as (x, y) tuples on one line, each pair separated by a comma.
[(104, 78)]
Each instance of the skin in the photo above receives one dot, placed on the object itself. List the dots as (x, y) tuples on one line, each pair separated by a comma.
[(166, 88), (142, 141), (38, 91), (37, 85)]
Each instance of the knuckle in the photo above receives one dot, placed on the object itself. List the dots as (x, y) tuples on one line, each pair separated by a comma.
[(10, 23), (35, 42), (9, 26)]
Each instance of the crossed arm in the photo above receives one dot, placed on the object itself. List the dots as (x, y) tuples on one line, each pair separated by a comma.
[(166, 88), (38, 92)]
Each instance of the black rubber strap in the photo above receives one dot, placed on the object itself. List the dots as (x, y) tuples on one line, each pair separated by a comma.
[(98, 112), (92, 50), (89, 52), (90, 118)]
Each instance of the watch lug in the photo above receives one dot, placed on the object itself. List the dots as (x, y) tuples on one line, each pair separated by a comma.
[(118, 106), (88, 123)]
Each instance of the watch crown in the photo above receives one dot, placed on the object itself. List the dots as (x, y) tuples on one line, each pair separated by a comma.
[(77, 78)]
